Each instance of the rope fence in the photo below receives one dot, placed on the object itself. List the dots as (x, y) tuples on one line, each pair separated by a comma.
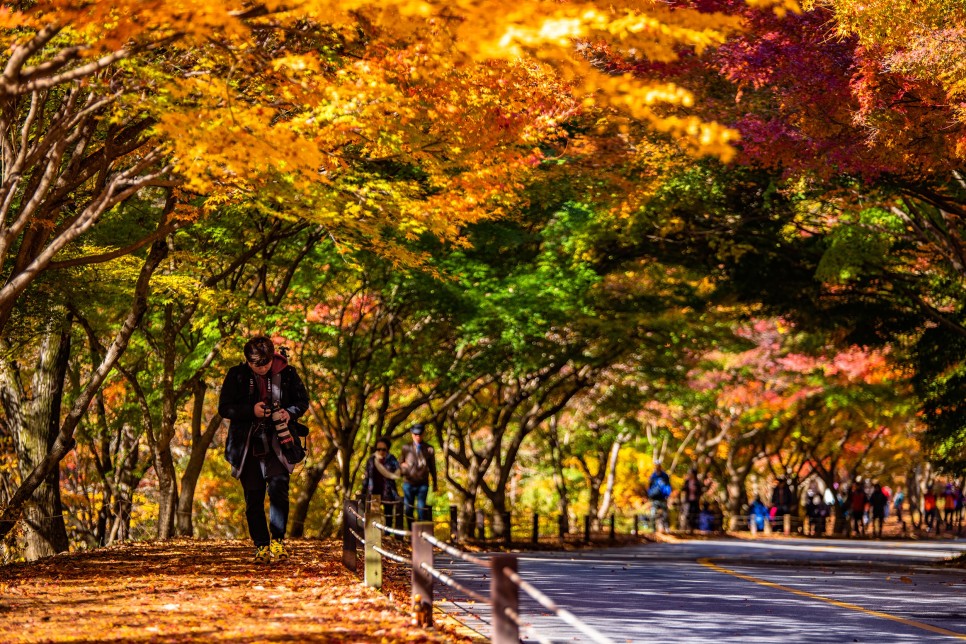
[(505, 581)]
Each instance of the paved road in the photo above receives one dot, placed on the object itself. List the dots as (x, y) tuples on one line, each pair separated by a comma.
[(722, 591)]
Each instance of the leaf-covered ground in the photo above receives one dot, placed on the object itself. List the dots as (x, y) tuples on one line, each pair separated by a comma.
[(203, 591)]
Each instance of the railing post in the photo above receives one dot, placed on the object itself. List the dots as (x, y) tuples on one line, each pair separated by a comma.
[(349, 556), (562, 527), (753, 525), (634, 530), (586, 528), (613, 530), (480, 525), (454, 533), (504, 595), (422, 581), (767, 526), (535, 534), (787, 527), (373, 574)]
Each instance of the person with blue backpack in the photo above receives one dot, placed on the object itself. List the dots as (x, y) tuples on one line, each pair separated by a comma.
[(759, 514), (658, 491)]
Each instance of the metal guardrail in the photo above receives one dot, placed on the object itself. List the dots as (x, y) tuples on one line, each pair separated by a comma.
[(505, 581)]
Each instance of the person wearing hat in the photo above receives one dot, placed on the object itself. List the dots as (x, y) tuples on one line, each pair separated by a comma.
[(418, 467), (253, 448)]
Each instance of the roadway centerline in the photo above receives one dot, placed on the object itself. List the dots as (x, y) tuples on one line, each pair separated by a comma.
[(804, 593)]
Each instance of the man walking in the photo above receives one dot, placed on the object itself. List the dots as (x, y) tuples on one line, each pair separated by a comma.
[(418, 465), (248, 394)]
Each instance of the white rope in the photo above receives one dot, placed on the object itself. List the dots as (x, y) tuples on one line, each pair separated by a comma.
[(531, 632), (452, 583), (401, 533), (393, 556), (562, 613), (356, 535), (450, 550)]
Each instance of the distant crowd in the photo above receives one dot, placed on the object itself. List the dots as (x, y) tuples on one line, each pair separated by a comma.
[(859, 509)]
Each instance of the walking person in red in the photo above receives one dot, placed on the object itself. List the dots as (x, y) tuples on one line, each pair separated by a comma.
[(930, 509), (949, 505), (856, 503)]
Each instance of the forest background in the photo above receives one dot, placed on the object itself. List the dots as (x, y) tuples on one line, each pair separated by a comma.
[(574, 239)]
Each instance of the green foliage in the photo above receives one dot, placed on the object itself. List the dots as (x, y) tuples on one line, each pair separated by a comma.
[(860, 249)]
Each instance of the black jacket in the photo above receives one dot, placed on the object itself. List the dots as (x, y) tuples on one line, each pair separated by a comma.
[(239, 395)]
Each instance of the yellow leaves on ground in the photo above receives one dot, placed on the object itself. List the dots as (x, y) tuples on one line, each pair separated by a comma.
[(201, 591)]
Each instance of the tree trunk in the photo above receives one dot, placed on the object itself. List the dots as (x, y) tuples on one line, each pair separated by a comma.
[(498, 500), (167, 492), (311, 478), (467, 518), (34, 417), (605, 503), (127, 476), (563, 499), (200, 442), (64, 441)]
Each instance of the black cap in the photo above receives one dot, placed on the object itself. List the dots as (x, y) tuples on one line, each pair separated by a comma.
[(417, 429)]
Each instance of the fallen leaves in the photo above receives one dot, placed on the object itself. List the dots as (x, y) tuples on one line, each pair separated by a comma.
[(200, 591)]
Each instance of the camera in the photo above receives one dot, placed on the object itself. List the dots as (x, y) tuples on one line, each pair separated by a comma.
[(278, 420)]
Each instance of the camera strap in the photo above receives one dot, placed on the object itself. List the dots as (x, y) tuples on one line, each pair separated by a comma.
[(275, 388)]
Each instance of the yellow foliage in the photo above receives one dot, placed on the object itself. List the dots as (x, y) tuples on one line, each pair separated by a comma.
[(419, 117)]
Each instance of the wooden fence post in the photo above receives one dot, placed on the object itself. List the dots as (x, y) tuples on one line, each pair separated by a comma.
[(562, 526), (350, 558), (504, 595), (586, 528), (373, 574), (535, 534), (787, 527), (422, 581), (480, 525), (613, 527)]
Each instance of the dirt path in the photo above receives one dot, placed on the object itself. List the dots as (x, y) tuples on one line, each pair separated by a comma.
[(200, 591)]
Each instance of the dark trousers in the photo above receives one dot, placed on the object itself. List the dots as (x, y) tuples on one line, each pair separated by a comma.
[(255, 485), (414, 497)]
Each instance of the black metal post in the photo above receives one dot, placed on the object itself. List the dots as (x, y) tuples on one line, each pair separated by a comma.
[(613, 532), (587, 528), (535, 535), (349, 545)]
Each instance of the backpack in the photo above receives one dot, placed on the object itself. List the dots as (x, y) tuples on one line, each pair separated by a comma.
[(660, 489)]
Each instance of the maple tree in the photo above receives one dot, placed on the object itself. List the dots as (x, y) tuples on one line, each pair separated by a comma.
[(285, 107)]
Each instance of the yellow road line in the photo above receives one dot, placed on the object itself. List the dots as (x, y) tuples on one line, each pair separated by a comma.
[(902, 620)]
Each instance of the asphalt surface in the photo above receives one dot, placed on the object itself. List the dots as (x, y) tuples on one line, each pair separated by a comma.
[(782, 590)]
